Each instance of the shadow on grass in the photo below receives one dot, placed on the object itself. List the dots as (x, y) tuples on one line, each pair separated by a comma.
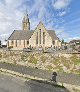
[(44, 86)]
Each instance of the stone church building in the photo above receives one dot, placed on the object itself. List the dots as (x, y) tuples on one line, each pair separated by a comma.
[(38, 38)]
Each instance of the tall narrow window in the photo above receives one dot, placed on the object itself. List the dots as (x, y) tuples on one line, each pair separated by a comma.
[(37, 38), (43, 37), (40, 36), (53, 42), (8, 43), (27, 42), (24, 43), (16, 43), (12, 42)]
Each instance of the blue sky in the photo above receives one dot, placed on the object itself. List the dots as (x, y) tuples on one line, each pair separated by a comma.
[(63, 16)]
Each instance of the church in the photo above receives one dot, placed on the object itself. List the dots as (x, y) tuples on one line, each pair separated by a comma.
[(38, 38)]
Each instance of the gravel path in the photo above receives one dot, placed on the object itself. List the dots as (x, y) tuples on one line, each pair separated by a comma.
[(62, 77)]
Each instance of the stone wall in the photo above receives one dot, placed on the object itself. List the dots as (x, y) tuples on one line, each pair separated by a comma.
[(20, 44), (47, 61), (48, 40)]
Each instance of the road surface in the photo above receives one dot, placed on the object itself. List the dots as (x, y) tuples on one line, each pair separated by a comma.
[(12, 84), (62, 77)]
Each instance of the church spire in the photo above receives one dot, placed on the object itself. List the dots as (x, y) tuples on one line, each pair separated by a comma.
[(26, 23)]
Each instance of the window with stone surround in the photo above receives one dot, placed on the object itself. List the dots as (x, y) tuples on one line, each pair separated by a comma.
[(43, 37), (8, 43), (37, 38), (40, 36), (53, 42), (27, 42), (16, 43), (24, 43), (12, 42)]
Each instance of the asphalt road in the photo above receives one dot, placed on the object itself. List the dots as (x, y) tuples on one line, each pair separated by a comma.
[(12, 84), (62, 77)]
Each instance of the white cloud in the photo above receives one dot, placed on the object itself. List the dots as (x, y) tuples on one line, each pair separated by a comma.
[(72, 22), (50, 25), (12, 12), (73, 38), (62, 13), (61, 33), (41, 13), (60, 4), (10, 17), (4, 35)]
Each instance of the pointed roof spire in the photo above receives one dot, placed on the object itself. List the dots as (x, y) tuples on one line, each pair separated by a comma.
[(26, 18), (26, 13)]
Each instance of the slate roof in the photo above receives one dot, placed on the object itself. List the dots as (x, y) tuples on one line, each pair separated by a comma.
[(22, 35), (53, 34)]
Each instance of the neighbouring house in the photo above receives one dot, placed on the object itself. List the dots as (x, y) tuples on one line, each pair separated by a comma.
[(75, 44), (40, 37)]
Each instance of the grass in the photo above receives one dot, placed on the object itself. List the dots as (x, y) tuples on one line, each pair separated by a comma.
[(58, 62), (77, 62), (49, 67), (32, 59), (24, 57), (0, 55), (43, 58)]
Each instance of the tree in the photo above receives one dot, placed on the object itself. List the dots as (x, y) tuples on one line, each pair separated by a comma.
[(62, 41)]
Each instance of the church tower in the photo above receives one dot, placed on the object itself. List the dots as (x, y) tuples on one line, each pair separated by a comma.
[(26, 23)]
